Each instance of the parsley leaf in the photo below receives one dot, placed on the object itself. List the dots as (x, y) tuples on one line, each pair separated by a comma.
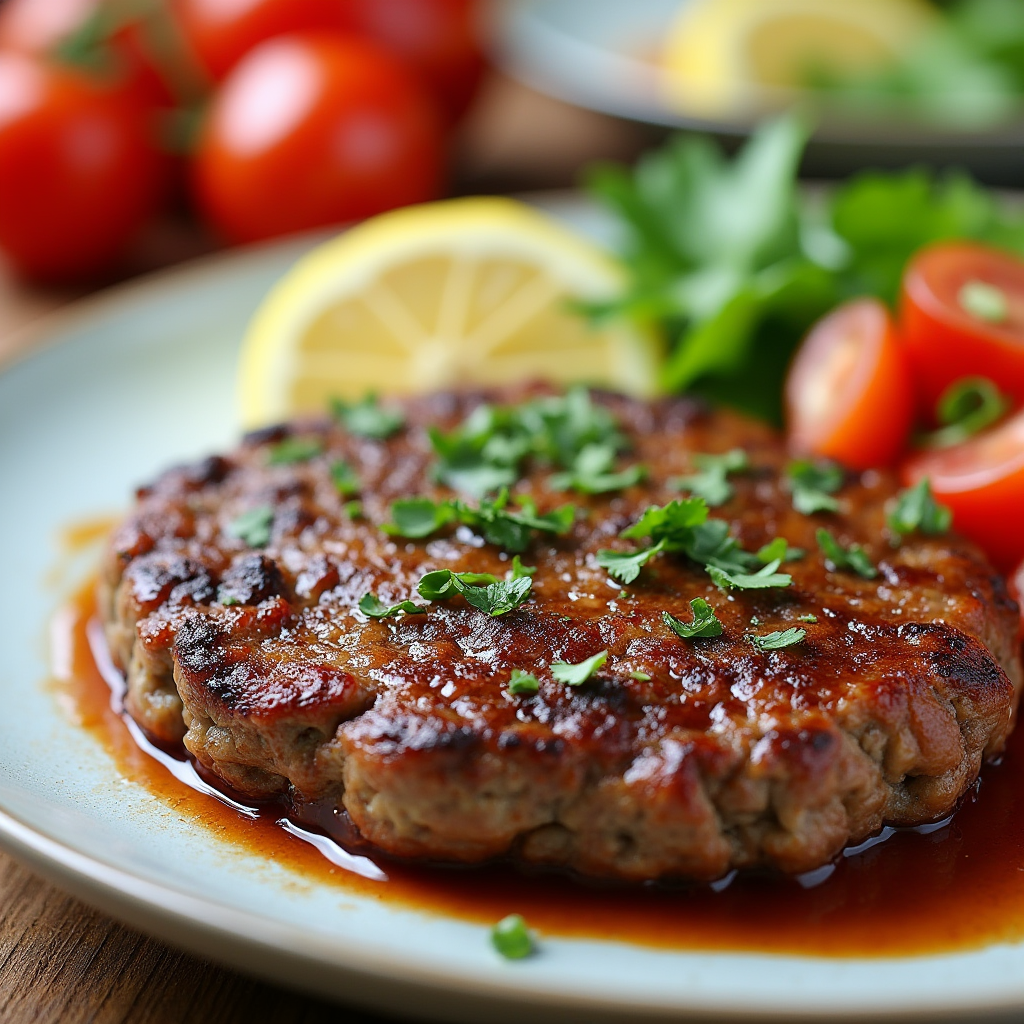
[(293, 450), (344, 478), (510, 529), (640, 677), (592, 472), (254, 526), (809, 617), (577, 675), (370, 604), (668, 522), (522, 683), (519, 570), (367, 418), (776, 641), (917, 510), (705, 622), (712, 483), (760, 580), (482, 590), (837, 558), (625, 566), (813, 484), (353, 509), (780, 549), (511, 938)]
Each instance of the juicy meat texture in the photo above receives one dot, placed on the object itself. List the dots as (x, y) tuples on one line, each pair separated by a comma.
[(678, 759)]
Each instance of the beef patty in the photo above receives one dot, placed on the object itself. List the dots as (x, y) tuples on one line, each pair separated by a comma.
[(677, 758)]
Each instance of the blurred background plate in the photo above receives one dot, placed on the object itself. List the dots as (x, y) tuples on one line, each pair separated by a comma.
[(602, 55)]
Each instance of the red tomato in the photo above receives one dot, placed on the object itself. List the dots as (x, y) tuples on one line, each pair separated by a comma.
[(35, 28), (78, 173), (315, 129), (982, 481), (945, 340), (848, 393), (440, 38)]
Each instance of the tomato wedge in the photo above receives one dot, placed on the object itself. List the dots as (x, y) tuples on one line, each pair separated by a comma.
[(848, 394), (962, 315), (982, 481)]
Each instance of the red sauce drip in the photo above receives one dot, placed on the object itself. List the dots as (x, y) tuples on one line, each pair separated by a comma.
[(948, 888)]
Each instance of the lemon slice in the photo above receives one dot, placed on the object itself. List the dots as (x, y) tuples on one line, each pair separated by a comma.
[(444, 295), (733, 57)]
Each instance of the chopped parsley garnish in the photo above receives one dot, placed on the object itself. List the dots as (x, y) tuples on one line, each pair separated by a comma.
[(522, 683), (984, 301), (851, 559), (370, 604), (367, 418), (916, 510), (640, 677), (254, 526), (711, 482), (293, 450), (776, 641), (577, 675), (511, 938), (780, 549), (593, 472), (508, 528), (764, 578), (567, 432), (226, 597), (812, 485), (344, 478), (683, 527), (965, 409), (705, 622), (809, 617), (480, 589), (518, 570), (353, 509)]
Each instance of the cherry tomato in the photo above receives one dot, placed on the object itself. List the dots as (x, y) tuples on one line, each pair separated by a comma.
[(963, 316), (440, 38), (122, 49), (982, 481), (314, 129), (78, 173), (848, 394)]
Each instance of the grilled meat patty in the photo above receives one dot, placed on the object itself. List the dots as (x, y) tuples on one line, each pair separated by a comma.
[(676, 758)]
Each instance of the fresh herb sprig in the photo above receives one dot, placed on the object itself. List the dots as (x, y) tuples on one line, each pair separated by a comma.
[(850, 559), (293, 450), (368, 418), (578, 674), (711, 482), (813, 485), (482, 590), (371, 605), (254, 526), (915, 510), (778, 640), (705, 623)]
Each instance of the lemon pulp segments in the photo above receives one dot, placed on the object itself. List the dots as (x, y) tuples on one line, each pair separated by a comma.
[(462, 292)]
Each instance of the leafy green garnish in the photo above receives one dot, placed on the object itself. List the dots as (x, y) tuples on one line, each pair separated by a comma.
[(640, 677), (511, 938), (510, 529), (293, 450), (353, 509), (712, 483), (916, 510), (577, 675), (625, 566), (812, 485), (592, 472), (779, 548), (965, 408), (705, 622), (809, 617), (344, 478), (776, 641), (519, 570), (852, 559), (367, 418), (254, 526), (482, 590), (522, 683), (763, 579), (370, 604)]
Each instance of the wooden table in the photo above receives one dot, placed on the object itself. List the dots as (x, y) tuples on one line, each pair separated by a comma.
[(62, 962)]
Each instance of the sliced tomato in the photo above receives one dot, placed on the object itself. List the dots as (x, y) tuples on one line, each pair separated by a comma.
[(982, 481), (848, 394), (962, 315)]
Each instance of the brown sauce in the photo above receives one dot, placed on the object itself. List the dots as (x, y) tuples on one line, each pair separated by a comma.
[(955, 886)]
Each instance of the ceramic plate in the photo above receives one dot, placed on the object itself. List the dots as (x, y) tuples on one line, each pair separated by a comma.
[(143, 377), (599, 54)]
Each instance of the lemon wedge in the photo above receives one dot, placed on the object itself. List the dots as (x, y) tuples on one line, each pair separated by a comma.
[(726, 58), (443, 295)]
